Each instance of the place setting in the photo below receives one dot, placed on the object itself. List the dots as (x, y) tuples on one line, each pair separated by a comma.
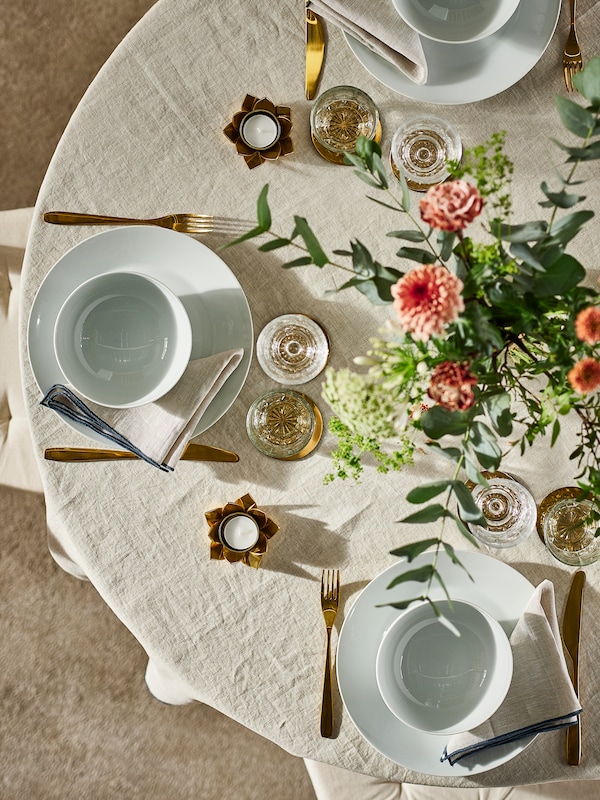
[(459, 685), (444, 53), (141, 339)]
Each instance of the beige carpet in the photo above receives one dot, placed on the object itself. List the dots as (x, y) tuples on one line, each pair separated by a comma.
[(76, 720)]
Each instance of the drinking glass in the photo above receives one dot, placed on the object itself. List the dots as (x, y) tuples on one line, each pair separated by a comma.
[(509, 509), (339, 117), (284, 424), (421, 147), (292, 349), (567, 529)]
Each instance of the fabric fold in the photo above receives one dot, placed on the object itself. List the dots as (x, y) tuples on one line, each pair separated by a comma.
[(156, 432), (383, 31), (541, 696)]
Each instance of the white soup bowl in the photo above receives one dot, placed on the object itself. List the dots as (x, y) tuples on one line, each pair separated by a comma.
[(122, 339)]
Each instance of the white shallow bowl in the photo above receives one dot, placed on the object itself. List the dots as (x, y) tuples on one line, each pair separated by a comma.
[(436, 681), (456, 21), (122, 339)]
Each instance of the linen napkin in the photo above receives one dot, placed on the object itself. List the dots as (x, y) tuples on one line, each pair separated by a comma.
[(379, 27), (541, 696), (156, 432)]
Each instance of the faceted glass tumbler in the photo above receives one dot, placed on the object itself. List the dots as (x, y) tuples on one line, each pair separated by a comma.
[(339, 117), (420, 149), (569, 533), (510, 512), (281, 424), (292, 349)]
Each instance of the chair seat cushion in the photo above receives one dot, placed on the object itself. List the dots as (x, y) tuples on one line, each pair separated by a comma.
[(18, 464)]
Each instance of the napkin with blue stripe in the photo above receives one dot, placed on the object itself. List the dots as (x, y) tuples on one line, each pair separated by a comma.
[(384, 32), (541, 696), (156, 432)]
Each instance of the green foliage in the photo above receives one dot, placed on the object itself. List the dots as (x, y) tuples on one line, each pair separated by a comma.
[(521, 291)]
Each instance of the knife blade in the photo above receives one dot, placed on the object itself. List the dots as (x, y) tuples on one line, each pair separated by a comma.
[(571, 630), (315, 51), (193, 452)]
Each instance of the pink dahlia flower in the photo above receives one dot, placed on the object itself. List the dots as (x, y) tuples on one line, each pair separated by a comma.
[(451, 386), (426, 299), (585, 375), (451, 206), (587, 325)]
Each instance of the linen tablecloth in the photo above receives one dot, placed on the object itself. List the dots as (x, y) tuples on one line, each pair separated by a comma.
[(147, 139)]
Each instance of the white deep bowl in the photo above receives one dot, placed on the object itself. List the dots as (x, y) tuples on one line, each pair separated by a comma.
[(456, 21), (436, 681), (122, 339)]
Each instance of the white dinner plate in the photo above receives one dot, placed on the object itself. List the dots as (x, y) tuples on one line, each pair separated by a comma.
[(212, 296), (466, 73), (498, 588)]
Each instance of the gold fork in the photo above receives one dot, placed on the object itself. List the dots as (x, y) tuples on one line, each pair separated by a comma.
[(330, 594), (572, 61), (184, 223)]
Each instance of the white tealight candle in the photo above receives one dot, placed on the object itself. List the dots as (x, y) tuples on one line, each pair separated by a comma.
[(259, 130), (239, 532)]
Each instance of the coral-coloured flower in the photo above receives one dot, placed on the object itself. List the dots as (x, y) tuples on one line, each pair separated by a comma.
[(451, 386), (426, 299), (585, 375), (587, 325), (451, 206)]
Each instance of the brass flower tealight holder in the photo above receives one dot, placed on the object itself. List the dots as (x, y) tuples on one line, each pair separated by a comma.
[(240, 531), (261, 131)]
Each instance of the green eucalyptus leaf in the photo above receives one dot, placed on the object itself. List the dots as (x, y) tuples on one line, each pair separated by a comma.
[(410, 236), (439, 421), (414, 549), (274, 244), (303, 229), (421, 494), (569, 226), (420, 575), (565, 273), (446, 241), (263, 212), (574, 117), (453, 454), (468, 508), (465, 531), (562, 199), (498, 407), (451, 553), (527, 232), (587, 82), (244, 237), (485, 446), (364, 176), (416, 254), (526, 253), (385, 205), (303, 261), (590, 152), (428, 514), (401, 604)]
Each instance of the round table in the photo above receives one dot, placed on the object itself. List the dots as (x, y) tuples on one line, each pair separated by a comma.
[(147, 139)]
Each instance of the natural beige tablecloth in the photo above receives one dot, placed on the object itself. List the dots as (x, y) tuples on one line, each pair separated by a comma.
[(147, 139)]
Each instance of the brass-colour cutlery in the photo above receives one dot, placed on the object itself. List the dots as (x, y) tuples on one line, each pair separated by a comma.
[(315, 50), (183, 223), (572, 61), (193, 452), (571, 629), (330, 595)]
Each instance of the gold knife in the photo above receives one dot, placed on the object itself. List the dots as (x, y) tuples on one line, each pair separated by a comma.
[(571, 629), (315, 51), (193, 452)]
